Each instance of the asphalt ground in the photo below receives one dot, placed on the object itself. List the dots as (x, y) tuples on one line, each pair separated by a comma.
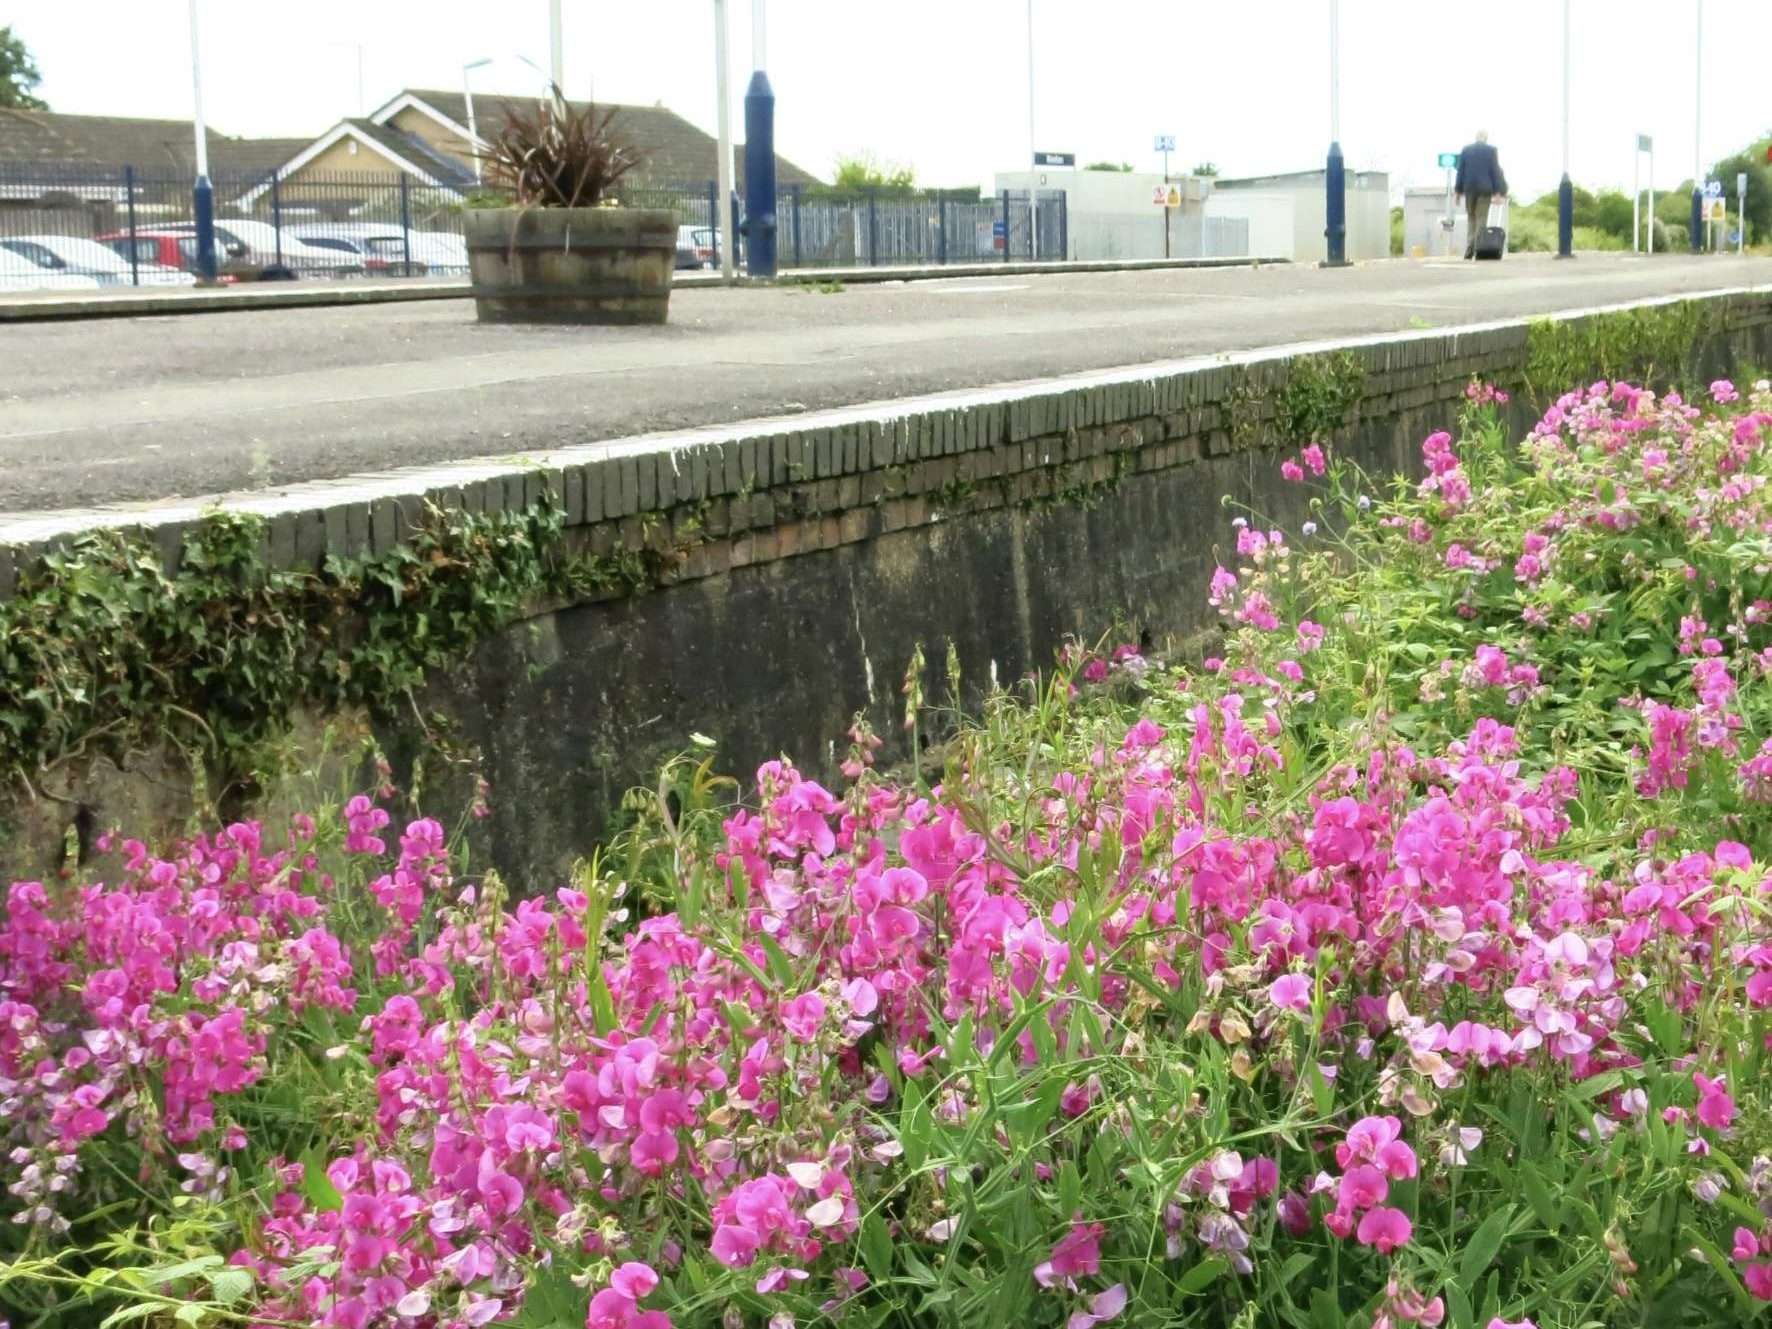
[(123, 410)]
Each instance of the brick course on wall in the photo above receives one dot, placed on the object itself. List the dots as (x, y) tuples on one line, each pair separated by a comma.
[(775, 489)]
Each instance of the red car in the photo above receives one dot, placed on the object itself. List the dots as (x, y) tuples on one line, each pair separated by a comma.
[(180, 251)]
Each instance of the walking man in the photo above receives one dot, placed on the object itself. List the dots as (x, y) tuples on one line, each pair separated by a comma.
[(1479, 180)]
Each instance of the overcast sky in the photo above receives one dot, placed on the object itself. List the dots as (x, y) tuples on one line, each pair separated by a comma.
[(942, 84)]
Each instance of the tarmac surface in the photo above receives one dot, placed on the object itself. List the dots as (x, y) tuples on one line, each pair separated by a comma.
[(129, 409)]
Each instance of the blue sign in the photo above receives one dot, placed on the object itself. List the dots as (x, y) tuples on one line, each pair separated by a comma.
[(1713, 189), (998, 230), (1165, 143)]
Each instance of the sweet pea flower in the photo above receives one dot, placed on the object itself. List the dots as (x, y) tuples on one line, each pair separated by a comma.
[(1386, 1229)]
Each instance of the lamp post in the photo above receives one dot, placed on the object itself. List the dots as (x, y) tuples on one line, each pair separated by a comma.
[(1566, 190), (202, 192), (1698, 136), (759, 154), (1033, 149), (722, 76), (1335, 176), (556, 57), (467, 92)]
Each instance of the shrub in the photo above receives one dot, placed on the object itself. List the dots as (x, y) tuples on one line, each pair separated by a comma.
[(1404, 963), (559, 154)]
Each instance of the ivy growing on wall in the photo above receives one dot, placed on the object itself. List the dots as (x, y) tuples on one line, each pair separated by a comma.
[(102, 652), (1654, 345)]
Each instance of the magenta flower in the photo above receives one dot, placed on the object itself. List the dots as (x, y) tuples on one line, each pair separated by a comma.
[(1715, 1108), (1386, 1229), (1291, 470), (1076, 1254), (1291, 992)]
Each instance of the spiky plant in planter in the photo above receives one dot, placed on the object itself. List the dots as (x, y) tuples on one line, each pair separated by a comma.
[(563, 253)]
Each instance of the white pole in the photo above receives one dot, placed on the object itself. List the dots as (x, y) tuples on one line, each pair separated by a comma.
[(1033, 147), (201, 131), (721, 76), (1651, 196), (1334, 71), (1698, 106), (556, 56), (467, 92), (1636, 199), (759, 34), (1565, 89)]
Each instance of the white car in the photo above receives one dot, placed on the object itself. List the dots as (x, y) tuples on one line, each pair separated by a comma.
[(15, 277), (283, 255), (68, 255), (385, 249)]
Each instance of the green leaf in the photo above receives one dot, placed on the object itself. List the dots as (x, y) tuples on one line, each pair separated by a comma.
[(229, 1285), (876, 1247), (1201, 1276), (1326, 1311), (192, 1312), (124, 1314), (1538, 1195), (1480, 1250)]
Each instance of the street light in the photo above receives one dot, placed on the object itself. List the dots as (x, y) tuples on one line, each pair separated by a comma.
[(467, 92), (1698, 137), (1335, 176), (1566, 190), (722, 76), (202, 192), (556, 57), (759, 154), (1033, 150)]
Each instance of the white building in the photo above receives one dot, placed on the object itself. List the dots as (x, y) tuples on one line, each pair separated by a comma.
[(1113, 215), (1425, 234), (1287, 214)]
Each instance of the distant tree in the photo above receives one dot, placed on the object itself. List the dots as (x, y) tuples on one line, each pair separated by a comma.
[(18, 74), (1750, 161), (1206, 168), (863, 171), (1124, 168)]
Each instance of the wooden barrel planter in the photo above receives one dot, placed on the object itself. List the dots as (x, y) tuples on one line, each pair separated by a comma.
[(571, 265)]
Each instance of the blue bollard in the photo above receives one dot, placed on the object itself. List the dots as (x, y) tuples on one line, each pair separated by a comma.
[(1335, 208), (1566, 219), (759, 176), (203, 212), (1697, 216)]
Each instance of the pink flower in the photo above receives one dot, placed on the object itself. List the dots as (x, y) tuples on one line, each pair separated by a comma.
[(1291, 992), (1386, 1229), (1715, 1108), (1077, 1253), (1498, 1323), (1363, 1187), (634, 1280), (1291, 470), (1758, 1277), (1747, 1245), (1313, 458), (1103, 1306)]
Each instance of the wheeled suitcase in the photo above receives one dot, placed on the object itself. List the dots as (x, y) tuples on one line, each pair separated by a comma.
[(1492, 239)]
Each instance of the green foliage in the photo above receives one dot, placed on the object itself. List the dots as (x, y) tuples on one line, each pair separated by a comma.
[(864, 171), (1652, 345), (1750, 161), (1319, 396), (1396, 232), (18, 74), (1124, 168), (1206, 168), (102, 652)]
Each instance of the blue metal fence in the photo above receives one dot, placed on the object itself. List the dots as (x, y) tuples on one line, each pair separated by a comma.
[(78, 226)]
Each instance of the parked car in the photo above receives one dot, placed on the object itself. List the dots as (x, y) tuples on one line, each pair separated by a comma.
[(174, 250), (386, 250), (280, 254), (76, 256), (695, 247), (379, 255), (20, 276)]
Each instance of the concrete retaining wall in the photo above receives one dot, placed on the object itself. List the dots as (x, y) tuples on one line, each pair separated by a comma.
[(810, 556)]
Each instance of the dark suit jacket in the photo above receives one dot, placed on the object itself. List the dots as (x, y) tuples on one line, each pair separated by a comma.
[(1479, 170)]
